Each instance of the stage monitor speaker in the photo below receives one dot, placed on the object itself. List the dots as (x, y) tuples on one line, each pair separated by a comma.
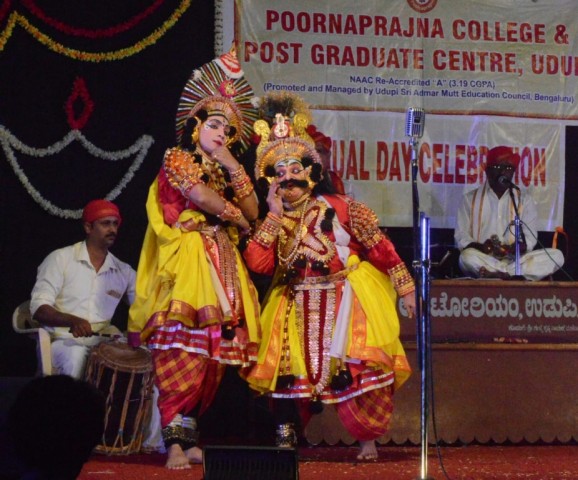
[(249, 463)]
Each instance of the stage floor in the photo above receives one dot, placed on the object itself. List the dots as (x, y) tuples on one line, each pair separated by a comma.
[(471, 462)]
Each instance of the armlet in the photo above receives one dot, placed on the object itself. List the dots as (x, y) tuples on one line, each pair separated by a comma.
[(182, 171), (364, 224)]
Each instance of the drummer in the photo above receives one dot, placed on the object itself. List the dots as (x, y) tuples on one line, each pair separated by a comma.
[(79, 287)]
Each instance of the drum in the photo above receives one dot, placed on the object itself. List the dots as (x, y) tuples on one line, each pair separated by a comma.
[(125, 376)]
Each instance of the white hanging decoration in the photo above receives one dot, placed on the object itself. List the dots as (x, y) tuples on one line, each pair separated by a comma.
[(219, 27), (10, 144)]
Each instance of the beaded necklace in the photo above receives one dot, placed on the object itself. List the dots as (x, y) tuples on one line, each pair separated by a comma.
[(301, 231), (214, 171)]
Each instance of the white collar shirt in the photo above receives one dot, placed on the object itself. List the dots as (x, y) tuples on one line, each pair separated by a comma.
[(67, 281)]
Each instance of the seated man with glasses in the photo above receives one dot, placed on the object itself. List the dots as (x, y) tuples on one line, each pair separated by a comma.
[(485, 231)]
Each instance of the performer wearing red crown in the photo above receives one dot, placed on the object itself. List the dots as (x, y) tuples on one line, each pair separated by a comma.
[(329, 321), (195, 306)]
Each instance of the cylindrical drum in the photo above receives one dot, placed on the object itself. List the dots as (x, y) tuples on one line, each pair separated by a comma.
[(125, 376)]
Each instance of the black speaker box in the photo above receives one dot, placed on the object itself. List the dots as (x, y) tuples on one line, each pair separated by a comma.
[(249, 463)]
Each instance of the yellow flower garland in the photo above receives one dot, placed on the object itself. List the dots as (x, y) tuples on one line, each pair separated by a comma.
[(17, 19)]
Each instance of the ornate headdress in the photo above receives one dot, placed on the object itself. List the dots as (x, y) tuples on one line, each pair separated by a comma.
[(219, 86), (283, 132)]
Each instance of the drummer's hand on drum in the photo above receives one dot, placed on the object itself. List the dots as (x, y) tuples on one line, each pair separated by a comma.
[(80, 327)]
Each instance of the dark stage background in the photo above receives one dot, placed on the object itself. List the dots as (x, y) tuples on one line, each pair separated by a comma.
[(128, 97)]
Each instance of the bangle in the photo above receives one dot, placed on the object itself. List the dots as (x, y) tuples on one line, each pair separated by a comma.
[(241, 183), (268, 231), (230, 213), (401, 279), (274, 217)]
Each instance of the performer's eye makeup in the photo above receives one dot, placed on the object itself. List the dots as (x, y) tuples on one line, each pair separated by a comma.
[(216, 124)]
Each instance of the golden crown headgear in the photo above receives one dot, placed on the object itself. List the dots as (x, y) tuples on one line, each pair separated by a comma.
[(296, 148), (219, 87), (282, 128)]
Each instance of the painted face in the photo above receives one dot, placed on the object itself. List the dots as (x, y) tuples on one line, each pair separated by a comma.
[(214, 133), (103, 231), (292, 178)]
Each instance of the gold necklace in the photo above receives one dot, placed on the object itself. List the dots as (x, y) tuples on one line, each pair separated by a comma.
[(301, 230), (213, 169)]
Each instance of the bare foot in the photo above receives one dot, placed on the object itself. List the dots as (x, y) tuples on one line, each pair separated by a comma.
[(367, 450), (194, 454), (177, 460), (485, 273)]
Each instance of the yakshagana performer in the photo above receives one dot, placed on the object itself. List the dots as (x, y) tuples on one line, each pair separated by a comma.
[(329, 321), (195, 306)]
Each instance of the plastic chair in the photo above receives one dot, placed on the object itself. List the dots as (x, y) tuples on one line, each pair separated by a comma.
[(22, 322)]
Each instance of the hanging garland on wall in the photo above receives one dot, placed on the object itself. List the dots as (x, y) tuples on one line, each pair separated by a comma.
[(91, 33), (219, 27), (16, 18), (79, 95), (10, 144)]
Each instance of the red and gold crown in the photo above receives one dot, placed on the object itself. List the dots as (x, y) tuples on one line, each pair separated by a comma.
[(219, 86)]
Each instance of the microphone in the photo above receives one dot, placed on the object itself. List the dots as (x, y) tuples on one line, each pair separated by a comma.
[(506, 182), (414, 122)]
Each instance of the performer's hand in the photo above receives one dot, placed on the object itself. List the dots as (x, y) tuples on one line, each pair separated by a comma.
[(225, 158), (409, 303), (274, 199), (80, 327)]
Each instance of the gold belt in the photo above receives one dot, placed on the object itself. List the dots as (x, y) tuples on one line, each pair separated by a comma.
[(314, 282)]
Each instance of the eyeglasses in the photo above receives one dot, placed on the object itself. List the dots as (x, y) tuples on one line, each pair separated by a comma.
[(502, 168)]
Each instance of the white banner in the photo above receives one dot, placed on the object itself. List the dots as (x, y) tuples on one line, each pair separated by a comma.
[(486, 72)]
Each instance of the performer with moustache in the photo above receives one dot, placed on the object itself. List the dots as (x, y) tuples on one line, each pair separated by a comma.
[(329, 321)]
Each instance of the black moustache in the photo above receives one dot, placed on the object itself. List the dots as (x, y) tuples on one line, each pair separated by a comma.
[(293, 183)]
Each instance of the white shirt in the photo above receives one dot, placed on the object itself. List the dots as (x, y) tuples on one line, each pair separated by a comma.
[(490, 215), (67, 281)]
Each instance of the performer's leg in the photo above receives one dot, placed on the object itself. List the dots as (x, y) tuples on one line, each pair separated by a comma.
[(366, 417), (284, 414), (180, 437), (193, 453), (367, 450)]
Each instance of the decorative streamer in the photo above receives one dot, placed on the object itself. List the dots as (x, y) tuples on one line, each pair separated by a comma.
[(90, 33), (10, 144), (16, 18), (219, 26)]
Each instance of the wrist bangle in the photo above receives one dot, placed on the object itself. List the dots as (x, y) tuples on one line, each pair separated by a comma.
[(241, 183), (230, 213)]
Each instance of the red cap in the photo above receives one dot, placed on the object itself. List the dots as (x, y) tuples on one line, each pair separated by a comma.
[(502, 154), (319, 137), (96, 209)]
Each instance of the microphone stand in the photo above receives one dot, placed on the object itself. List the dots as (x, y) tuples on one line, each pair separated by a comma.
[(413, 142), (421, 236), (518, 233)]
